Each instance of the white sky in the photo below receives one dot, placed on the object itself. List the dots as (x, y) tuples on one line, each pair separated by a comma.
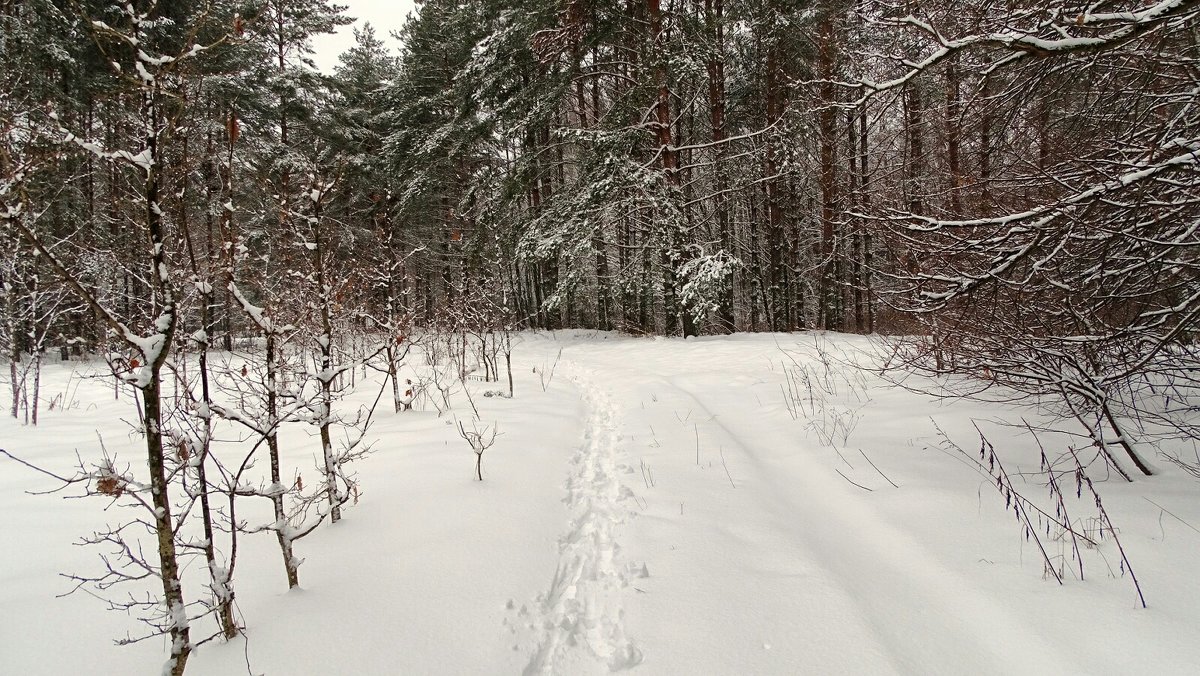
[(384, 15)]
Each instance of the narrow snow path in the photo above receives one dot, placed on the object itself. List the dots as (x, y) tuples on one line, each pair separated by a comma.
[(579, 621), (752, 536)]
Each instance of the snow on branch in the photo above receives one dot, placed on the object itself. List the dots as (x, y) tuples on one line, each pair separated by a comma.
[(1066, 33)]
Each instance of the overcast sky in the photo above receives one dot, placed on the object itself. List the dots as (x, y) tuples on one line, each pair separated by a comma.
[(385, 15)]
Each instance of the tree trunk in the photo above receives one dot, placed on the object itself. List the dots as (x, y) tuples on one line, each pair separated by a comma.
[(864, 164), (775, 235), (165, 325), (672, 255), (830, 291), (325, 377), (290, 565), (714, 19), (219, 575), (953, 138)]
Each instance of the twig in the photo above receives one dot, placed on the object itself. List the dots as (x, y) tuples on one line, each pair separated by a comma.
[(1001, 480), (546, 380), (864, 455), (645, 478), (48, 473), (1082, 478), (843, 458), (1164, 509), (1056, 492), (1004, 483), (869, 490), (722, 451)]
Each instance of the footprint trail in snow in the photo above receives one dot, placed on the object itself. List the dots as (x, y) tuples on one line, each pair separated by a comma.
[(579, 620)]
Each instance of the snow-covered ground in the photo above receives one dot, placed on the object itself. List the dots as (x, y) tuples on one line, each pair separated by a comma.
[(661, 506)]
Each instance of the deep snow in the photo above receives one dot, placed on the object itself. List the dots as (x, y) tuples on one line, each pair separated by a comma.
[(656, 508)]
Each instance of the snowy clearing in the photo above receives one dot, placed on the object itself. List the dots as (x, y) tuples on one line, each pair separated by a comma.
[(659, 506)]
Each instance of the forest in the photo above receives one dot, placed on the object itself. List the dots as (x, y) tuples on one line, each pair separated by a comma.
[(1008, 190), (971, 172)]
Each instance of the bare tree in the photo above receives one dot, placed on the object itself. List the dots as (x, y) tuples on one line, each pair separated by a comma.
[(479, 439), (145, 76), (1072, 272)]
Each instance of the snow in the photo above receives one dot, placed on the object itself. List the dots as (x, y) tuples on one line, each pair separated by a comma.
[(158, 60), (143, 159), (256, 313), (657, 508)]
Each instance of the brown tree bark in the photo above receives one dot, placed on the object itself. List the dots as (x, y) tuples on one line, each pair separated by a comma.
[(776, 239), (669, 161), (954, 138), (830, 287), (714, 21)]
